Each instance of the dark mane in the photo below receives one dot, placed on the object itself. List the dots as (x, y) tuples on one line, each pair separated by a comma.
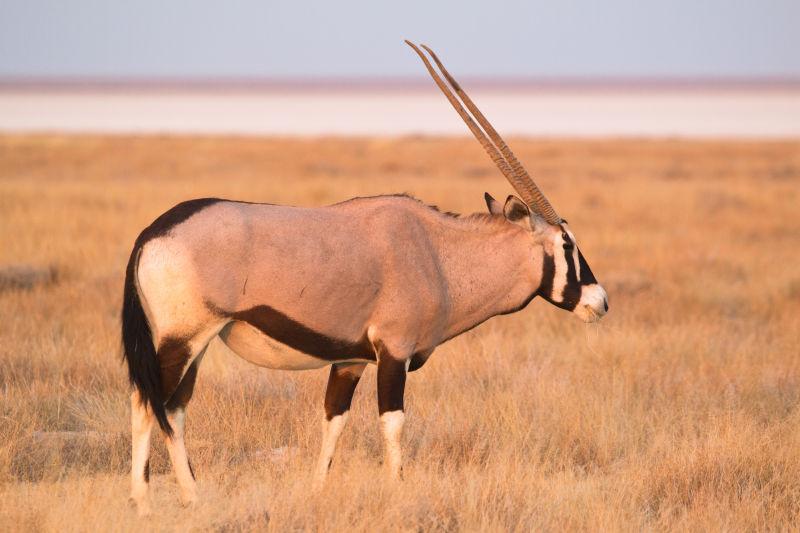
[(401, 195), (475, 218)]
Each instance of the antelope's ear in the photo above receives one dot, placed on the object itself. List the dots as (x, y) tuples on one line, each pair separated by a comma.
[(494, 206), (515, 209)]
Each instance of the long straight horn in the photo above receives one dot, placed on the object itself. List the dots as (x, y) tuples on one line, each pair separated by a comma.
[(493, 152), (522, 181)]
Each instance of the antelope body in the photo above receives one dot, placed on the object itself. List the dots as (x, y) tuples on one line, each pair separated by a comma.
[(380, 280)]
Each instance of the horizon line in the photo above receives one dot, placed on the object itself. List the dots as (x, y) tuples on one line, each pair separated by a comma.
[(386, 83)]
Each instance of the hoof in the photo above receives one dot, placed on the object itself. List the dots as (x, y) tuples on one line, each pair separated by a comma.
[(189, 499), (318, 484), (321, 475), (141, 505), (396, 474)]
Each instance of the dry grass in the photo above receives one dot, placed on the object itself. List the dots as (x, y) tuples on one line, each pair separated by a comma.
[(678, 412)]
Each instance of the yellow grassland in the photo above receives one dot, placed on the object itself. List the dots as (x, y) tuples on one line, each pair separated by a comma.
[(679, 411)]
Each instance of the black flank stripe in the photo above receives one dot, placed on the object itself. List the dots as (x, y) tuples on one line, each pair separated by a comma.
[(288, 331)]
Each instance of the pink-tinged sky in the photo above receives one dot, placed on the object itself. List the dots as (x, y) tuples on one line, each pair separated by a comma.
[(245, 39)]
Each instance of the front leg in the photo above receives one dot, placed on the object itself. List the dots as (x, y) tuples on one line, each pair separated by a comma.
[(338, 396), (391, 387)]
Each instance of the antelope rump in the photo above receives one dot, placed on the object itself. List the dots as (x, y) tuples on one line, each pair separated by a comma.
[(381, 280)]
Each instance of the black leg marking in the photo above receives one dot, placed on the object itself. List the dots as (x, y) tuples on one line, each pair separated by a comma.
[(391, 383), (391, 388), (191, 470), (173, 355), (342, 384), (147, 471), (183, 393), (419, 359)]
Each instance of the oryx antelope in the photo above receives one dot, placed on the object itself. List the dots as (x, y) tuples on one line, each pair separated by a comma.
[(381, 280)]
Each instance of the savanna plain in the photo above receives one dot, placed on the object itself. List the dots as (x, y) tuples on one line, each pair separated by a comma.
[(680, 410)]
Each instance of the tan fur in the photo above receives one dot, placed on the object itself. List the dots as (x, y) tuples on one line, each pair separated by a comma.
[(176, 447), (331, 430), (418, 276), (372, 280)]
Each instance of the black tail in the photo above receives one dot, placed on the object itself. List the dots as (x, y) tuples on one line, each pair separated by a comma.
[(144, 370)]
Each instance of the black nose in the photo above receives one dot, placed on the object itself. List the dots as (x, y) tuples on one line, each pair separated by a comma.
[(605, 304)]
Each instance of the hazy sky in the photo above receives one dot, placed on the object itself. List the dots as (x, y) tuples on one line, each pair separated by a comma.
[(340, 38)]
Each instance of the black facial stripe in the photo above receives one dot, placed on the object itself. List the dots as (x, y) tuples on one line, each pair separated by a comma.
[(574, 287), (572, 272), (587, 278), (548, 275), (572, 291)]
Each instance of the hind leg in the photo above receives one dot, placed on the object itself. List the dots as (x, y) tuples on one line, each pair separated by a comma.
[(176, 446), (142, 421), (179, 359)]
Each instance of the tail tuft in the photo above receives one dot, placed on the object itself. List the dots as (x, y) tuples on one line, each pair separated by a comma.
[(144, 370)]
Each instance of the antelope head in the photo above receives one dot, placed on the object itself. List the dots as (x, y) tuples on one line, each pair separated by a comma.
[(566, 281)]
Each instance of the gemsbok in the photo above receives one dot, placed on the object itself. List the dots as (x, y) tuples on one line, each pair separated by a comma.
[(381, 280)]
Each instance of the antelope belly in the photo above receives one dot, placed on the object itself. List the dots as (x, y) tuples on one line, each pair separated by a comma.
[(251, 344)]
